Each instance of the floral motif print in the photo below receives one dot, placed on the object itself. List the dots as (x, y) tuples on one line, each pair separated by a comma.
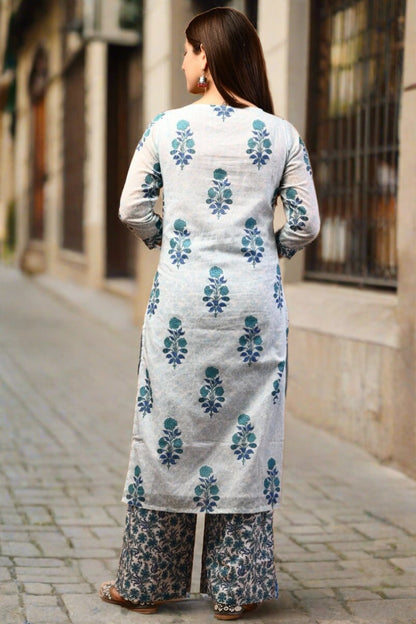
[(306, 156), (244, 439), (147, 131), (183, 145), (219, 195), (237, 558), (156, 556), (259, 145), (212, 393), (153, 183), (282, 250), (180, 244), (145, 397), (272, 483), (206, 493), (297, 212), (223, 111), (135, 491), (170, 445), (216, 292), (156, 240), (252, 242), (175, 344), (251, 341), (278, 289), (154, 296), (276, 383)]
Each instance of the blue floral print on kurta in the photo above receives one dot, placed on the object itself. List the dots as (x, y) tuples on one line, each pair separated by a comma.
[(170, 444), (145, 397), (212, 393), (282, 250), (244, 439), (252, 242), (276, 384), (180, 244), (216, 292), (278, 289), (183, 145), (147, 131), (297, 212), (251, 341), (219, 195), (154, 296), (153, 182), (135, 491), (272, 483), (156, 240), (259, 145), (223, 111), (306, 156), (175, 344), (206, 493)]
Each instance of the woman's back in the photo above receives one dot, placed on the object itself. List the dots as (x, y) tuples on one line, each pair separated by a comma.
[(214, 337)]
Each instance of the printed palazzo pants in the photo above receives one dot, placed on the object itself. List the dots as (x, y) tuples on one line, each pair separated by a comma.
[(157, 554)]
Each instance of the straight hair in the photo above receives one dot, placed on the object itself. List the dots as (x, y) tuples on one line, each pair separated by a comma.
[(234, 56)]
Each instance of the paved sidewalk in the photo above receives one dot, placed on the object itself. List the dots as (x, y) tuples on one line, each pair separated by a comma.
[(345, 536)]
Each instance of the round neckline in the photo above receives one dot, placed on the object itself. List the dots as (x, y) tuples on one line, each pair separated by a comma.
[(225, 104)]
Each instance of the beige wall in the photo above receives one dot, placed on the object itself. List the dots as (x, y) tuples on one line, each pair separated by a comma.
[(342, 355), (95, 201), (405, 379)]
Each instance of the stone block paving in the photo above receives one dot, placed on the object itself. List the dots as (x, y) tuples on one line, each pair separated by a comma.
[(345, 535)]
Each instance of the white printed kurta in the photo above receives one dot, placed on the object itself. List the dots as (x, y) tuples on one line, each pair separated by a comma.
[(208, 424)]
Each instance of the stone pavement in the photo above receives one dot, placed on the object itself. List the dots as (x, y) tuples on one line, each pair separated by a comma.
[(345, 536)]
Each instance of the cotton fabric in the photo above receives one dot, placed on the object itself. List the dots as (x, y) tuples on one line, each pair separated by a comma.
[(208, 425), (237, 561)]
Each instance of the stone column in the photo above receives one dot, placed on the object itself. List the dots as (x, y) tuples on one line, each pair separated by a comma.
[(95, 168), (405, 380), (283, 27)]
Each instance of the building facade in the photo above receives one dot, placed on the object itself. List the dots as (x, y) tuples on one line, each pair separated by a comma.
[(342, 72)]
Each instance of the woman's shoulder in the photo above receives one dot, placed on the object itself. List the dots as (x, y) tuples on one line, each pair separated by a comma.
[(201, 113)]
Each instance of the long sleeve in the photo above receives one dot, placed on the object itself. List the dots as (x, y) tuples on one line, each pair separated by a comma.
[(142, 188), (299, 199)]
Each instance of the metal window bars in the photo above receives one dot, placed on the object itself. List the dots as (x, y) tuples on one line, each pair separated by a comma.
[(355, 82)]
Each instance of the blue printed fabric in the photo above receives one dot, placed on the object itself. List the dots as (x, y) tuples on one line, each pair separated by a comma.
[(209, 410), (157, 553)]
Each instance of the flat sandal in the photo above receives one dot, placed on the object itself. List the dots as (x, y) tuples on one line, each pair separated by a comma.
[(139, 607), (231, 612)]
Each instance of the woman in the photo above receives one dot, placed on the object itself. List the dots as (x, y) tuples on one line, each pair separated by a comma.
[(208, 429)]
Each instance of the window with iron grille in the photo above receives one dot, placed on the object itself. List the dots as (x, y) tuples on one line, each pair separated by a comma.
[(355, 82)]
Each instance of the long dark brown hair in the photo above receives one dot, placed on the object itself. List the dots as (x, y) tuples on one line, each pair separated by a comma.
[(234, 56)]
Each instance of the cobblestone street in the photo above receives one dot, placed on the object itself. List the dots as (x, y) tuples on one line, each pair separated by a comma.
[(345, 536)]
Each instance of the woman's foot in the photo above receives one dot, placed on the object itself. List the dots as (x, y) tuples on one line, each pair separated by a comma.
[(108, 593), (231, 612)]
